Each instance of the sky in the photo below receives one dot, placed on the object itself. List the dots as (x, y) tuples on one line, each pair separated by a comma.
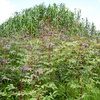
[(89, 8)]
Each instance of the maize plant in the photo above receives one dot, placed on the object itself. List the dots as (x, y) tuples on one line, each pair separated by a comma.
[(33, 19)]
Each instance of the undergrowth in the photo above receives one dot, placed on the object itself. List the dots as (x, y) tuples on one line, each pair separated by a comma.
[(49, 53)]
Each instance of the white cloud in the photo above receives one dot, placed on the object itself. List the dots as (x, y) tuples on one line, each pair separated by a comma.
[(6, 10)]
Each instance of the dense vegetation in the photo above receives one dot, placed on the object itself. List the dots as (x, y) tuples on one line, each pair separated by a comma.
[(49, 53)]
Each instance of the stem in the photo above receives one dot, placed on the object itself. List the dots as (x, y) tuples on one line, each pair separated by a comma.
[(21, 89)]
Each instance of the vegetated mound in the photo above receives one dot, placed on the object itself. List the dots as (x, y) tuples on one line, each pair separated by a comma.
[(62, 63), (42, 19)]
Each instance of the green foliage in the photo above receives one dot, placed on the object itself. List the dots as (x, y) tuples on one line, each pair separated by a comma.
[(40, 17), (49, 70), (60, 64)]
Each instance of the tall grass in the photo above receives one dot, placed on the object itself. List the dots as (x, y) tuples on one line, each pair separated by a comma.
[(34, 19)]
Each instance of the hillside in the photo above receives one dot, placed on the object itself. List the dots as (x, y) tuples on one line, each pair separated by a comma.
[(49, 53)]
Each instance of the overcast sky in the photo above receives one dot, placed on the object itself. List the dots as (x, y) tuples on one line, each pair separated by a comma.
[(89, 8)]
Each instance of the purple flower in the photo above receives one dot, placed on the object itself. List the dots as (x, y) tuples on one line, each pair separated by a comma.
[(86, 45), (50, 44), (36, 57), (24, 68)]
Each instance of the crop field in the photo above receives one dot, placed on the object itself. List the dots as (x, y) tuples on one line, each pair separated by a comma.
[(49, 53)]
